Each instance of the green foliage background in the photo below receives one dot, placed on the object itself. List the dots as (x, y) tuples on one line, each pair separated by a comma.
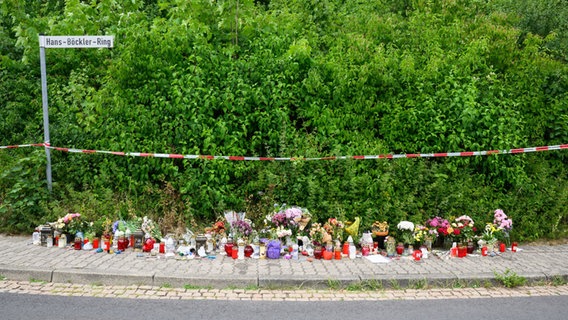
[(290, 78)]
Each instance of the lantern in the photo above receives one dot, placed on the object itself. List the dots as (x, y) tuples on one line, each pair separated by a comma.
[(138, 236), (200, 241), (45, 231)]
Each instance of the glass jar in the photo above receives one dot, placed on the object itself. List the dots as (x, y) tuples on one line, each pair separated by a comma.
[(318, 252), (78, 243), (428, 243), (122, 243), (462, 250), (470, 247), (400, 248), (391, 247)]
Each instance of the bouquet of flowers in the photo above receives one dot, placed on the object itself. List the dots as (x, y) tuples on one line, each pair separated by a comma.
[(150, 229), (119, 225), (70, 223), (282, 232), (380, 228), (317, 234), (242, 229), (334, 228), (438, 226), (463, 228), (502, 224), (489, 233), (420, 234), (288, 218), (406, 229), (217, 228)]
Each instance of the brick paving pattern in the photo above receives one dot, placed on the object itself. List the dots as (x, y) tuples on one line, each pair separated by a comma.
[(22, 262), (150, 292)]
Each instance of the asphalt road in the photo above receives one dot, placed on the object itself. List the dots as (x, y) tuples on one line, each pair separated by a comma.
[(28, 306)]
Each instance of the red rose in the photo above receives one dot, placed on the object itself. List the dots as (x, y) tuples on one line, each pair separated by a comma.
[(457, 232)]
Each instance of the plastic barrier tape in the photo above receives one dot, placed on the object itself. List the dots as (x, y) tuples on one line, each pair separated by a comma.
[(243, 158)]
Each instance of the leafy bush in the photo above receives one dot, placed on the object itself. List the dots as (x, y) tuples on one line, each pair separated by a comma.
[(295, 79)]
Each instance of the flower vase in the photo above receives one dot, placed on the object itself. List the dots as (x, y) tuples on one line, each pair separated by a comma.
[(447, 243)]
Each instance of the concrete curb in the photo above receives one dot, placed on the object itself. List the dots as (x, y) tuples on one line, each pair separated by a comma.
[(26, 273), (126, 278), (100, 277)]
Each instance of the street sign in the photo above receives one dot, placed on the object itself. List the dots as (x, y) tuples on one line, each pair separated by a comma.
[(76, 41), (62, 42)]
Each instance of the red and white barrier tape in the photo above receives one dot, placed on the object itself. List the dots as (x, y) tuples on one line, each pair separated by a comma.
[(23, 146), (242, 158)]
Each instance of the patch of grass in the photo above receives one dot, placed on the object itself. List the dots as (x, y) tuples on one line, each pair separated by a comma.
[(458, 284), (354, 287), (510, 279), (251, 287), (34, 280), (333, 284), (474, 284), (166, 285), (539, 283), (418, 284), (558, 281), (372, 285), (191, 287), (2, 277), (395, 285), (97, 284)]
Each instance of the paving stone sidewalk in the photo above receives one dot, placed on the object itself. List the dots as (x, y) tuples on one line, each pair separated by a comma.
[(22, 261), (152, 292)]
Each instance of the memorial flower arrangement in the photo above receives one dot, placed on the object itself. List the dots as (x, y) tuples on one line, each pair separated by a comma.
[(502, 224), (317, 234), (150, 229), (380, 228), (438, 226), (334, 228), (242, 229), (489, 234), (70, 223), (286, 218), (406, 229), (420, 234), (464, 228)]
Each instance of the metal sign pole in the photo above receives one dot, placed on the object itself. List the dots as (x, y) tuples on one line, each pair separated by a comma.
[(62, 42), (45, 113)]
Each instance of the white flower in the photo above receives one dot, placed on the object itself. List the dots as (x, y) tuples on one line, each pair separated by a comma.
[(405, 225)]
